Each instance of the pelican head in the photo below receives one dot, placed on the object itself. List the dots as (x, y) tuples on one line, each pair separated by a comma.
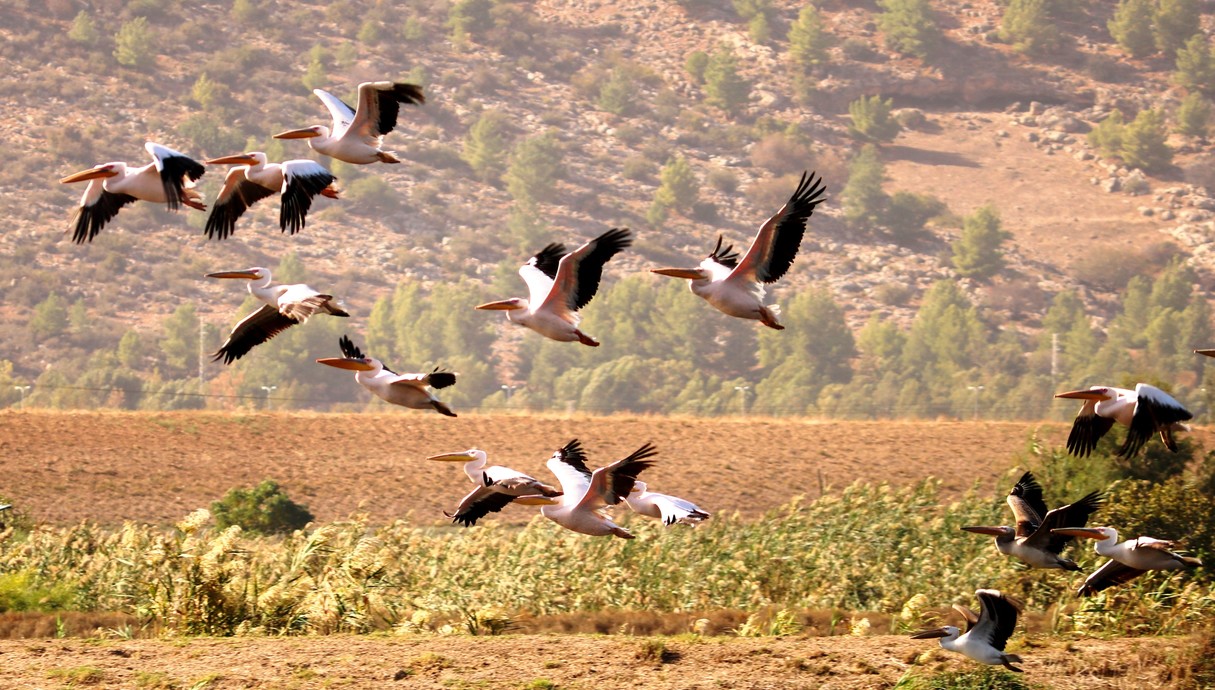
[(1001, 531), (305, 133), (462, 456), (251, 158), (349, 363), (103, 170), (255, 273), (1098, 393), (505, 304), (1098, 533), (688, 273), (946, 631)]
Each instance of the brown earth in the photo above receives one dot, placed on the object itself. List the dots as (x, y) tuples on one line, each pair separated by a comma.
[(568, 662), (63, 467)]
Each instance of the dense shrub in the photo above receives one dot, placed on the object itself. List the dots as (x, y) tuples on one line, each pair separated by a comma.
[(263, 509)]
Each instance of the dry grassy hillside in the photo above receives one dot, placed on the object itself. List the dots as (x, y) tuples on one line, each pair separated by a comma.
[(110, 467)]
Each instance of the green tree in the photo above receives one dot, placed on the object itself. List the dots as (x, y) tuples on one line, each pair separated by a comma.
[(130, 351), (618, 93), (179, 346), (467, 17), (908, 27), (1107, 136), (1176, 21), (871, 119), (485, 147), (864, 201), (695, 65), (535, 167), (1029, 27), (207, 92), (50, 317), (1128, 326), (908, 213), (978, 252), (725, 88), (1131, 27), (246, 12), (134, 44), (1194, 116), (814, 350), (1144, 142), (808, 41), (1196, 66), (316, 76), (263, 509), (679, 187), (84, 30)]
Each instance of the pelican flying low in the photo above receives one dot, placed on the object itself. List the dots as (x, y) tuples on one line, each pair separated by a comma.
[(669, 509), (114, 185), (737, 287), (1128, 560), (254, 179), (986, 635), (1033, 540), (357, 135), (585, 493), (406, 390), (497, 486), (559, 284), (1144, 411), (284, 306)]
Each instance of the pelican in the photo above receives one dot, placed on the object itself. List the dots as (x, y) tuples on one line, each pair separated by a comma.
[(114, 185), (737, 287), (356, 135), (585, 493), (497, 486), (559, 284), (1033, 541), (986, 634), (284, 306), (406, 390), (669, 509), (1128, 560), (253, 179), (1144, 411)]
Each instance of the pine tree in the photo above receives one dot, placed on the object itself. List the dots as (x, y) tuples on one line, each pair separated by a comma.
[(871, 119), (535, 167), (1029, 27), (864, 201), (1196, 66), (1194, 116), (977, 253), (485, 147), (134, 44), (808, 42), (725, 88), (84, 30), (1131, 27), (679, 187), (908, 27), (1107, 136), (1144, 142), (1176, 21)]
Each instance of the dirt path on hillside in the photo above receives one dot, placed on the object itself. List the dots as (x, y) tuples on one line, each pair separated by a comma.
[(63, 467)]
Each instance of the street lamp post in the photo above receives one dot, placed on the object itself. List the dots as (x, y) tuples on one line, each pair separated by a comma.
[(975, 390), (743, 390), (269, 390), (21, 390), (508, 390)]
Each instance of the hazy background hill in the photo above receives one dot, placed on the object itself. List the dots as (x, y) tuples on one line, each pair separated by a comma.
[(553, 121)]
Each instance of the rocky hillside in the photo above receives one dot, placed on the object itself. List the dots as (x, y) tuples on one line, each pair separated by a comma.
[(985, 124)]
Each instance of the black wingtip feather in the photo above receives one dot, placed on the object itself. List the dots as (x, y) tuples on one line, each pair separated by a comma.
[(791, 228), (549, 258), (348, 348), (726, 257), (442, 379), (297, 199)]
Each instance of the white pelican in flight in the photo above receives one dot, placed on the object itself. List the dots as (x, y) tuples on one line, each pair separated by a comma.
[(669, 509), (406, 390), (1144, 411), (114, 185), (585, 494), (1128, 560), (497, 486), (285, 306), (253, 179), (986, 635), (357, 135), (737, 287), (1032, 541), (559, 284)]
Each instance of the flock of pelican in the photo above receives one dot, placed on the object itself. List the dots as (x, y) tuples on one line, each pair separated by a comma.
[(559, 284)]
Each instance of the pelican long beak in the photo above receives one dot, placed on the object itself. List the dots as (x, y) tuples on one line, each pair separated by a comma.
[(930, 634), (689, 273), (1208, 353), (536, 501), (297, 133), (1084, 395), (90, 174), (346, 363), (993, 531), (236, 159), (501, 305), (462, 456), (242, 275), (1085, 532)]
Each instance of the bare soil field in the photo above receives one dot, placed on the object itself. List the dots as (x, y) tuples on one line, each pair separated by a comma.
[(567, 662), (107, 467)]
